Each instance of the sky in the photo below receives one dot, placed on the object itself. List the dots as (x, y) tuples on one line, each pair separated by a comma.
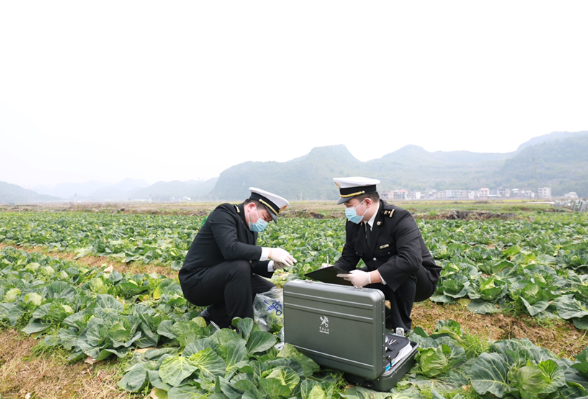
[(183, 90)]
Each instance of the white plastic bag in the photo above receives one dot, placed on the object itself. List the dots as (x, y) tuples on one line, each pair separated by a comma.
[(268, 312)]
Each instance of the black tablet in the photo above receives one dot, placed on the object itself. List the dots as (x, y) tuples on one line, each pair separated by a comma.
[(329, 275)]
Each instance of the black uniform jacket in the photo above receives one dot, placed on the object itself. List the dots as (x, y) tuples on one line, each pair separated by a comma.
[(397, 248), (224, 237)]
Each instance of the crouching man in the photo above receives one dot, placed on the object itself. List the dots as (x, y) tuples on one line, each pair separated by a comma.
[(389, 242), (224, 268)]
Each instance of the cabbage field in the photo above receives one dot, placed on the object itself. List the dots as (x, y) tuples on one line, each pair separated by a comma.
[(534, 265)]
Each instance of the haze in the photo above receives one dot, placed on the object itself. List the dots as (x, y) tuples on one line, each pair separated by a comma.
[(183, 90)]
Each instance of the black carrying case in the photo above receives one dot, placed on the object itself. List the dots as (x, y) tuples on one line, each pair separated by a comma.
[(343, 328)]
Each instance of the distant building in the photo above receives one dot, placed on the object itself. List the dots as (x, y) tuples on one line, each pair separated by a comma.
[(484, 193), (415, 195), (571, 195), (400, 195), (388, 195), (544, 193)]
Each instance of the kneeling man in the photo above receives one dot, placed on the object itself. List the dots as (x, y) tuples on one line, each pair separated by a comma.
[(389, 242), (224, 268)]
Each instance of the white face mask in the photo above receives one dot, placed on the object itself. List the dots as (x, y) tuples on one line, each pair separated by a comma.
[(258, 226), (351, 214)]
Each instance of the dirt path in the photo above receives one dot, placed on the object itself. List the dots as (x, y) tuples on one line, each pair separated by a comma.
[(559, 336), (25, 374), (94, 261)]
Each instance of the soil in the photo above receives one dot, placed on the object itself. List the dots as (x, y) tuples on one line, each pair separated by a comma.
[(559, 336), (25, 375), (95, 261), (467, 215)]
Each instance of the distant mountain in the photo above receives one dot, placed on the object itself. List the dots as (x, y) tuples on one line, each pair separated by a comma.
[(10, 193), (550, 137), (561, 161), (557, 159), (309, 176)]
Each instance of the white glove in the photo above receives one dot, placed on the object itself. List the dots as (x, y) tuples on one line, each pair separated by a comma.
[(281, 256), (324, 265), (279, 265), (358, 278)]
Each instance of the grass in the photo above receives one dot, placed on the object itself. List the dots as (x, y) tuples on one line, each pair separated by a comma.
[(28, 367)]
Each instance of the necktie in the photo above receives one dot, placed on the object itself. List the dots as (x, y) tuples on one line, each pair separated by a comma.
[(368, 231)]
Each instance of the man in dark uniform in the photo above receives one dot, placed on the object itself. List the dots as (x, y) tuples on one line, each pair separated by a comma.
[(224, 268), (389, 242)]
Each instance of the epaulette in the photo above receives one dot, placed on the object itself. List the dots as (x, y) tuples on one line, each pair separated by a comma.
[(390, 212), (238, 211)]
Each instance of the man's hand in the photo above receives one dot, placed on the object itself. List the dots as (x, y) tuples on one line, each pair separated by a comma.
[(324, 265), (281, 256), (279, 265), (357, 278)]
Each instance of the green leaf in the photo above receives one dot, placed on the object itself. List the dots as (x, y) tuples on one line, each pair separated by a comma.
[(107, 301), (208, 362), (554, 373), (225, 335), (134, 380), (156, 381), (581, 323), (175, 369), (36, 326), (531, 379), (185, 392), (483, 307), (164, 329), (274, 388), (245, 327), (33, 298), (433, 361), (489, 374), (311, 390), (199, 345), (286, 376), (568, 307), (260, 341), (582, 364), (536, 308), (229, 390), (234, 353)]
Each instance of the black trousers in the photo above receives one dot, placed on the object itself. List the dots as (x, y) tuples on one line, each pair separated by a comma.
[(417, 287), (228, 289)]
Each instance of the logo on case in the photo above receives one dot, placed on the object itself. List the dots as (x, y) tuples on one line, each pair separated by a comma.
[(324, 327)]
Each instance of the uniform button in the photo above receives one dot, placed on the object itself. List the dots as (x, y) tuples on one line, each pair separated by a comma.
[(250, 261), (374, 258)]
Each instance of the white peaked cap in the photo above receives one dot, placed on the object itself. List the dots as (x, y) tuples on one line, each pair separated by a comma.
[(353, 186), (272, 202)]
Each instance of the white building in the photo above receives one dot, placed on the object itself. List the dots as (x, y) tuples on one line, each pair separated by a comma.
[(571, 195), (544, 193)]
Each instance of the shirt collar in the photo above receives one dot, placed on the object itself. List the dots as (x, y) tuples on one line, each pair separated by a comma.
[(373, 218)]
